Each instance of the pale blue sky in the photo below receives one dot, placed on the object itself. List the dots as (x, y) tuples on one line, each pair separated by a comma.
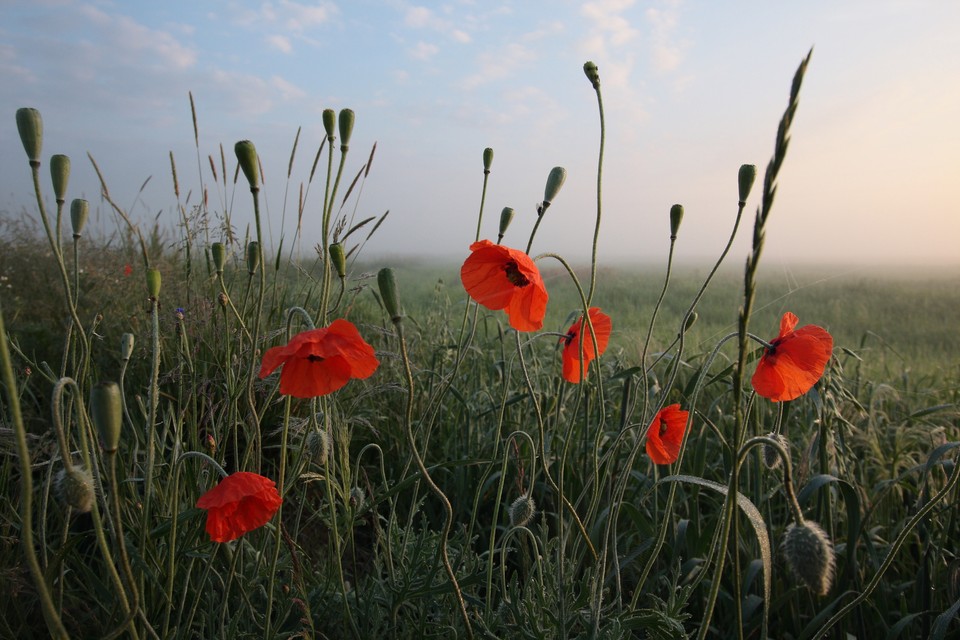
[(692, 89)]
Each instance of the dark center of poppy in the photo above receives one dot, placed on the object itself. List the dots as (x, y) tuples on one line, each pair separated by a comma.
[(516, 278), (663, 428), (313, 358), (567, 339)]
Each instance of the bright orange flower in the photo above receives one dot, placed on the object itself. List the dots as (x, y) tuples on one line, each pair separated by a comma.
[(242, 502), (666, 434), (320, 361), (794, 362), (499, 277), (571, 347)]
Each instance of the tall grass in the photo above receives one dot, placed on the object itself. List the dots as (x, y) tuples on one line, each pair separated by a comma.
[(465, 489)]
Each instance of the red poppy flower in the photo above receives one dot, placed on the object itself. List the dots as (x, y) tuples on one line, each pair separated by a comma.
[(320, 361), (127, 270), (794, 362), (571, 348), (499, 277), (242, 502), (666, 434)]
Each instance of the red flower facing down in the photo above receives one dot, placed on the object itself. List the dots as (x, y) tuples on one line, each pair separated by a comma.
[(666, 434), (794, 362), (571, 348), (499, 277), (320, 361), (242, 502)]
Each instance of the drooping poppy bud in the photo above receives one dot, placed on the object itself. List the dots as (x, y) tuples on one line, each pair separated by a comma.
[(691, 320), (247, 157), (106, 410), (809, 553), (554, 181), (79, 209), (487, 160), (357, 498), (521, 511), (30, 126), (153, 282), (60, 175), (676, 217), (592, 73), (253, 256), (745, 178), (74, 488), (339, 259), (346, 128), (318, 445), (506, 217), (126, 346), (219, 254), (388, 293), (329, 117), (771, 456)]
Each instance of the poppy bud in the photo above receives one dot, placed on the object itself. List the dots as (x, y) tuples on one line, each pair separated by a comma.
[(153, 282), (339, 259), (211, 444), (219, 253), (487, 160), (346, 128), (318, 446), (247, 157), (521, 511), (676, 217), (771, 457), (810, 555), (329, 122), (554, 181), (691, 320), (30, 126), (74, 488), (253, 257), (222, 299), (357, 498), (388, 293), (78, 215), (593, 75), (506, 217), (745, 178), (60, 175), (126, 346), (107, 413)]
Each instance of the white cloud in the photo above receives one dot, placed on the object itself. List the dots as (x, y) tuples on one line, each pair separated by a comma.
[(500, 63), (281, 43), (288, 90), (124, 37), (424, 51), (299, 17), (461, 36), (418, 17), (606, 18), (667, 52)]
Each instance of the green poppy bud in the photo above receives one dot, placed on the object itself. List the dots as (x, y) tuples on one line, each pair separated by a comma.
[(521, 511), (30, 126), (74, 488), (126, 346), (106, 411), (506, 217), (676, 217), (592, 73), (745, 178), (487, 160), (247, 157), (219, 253), (357, 498), (318, 446), (153, 282), (346, 128), (78, 215), (809, 554), (253, 257), (388, 293), (691, 320), (554, 181), (60, 174), (329, 122), (339, 259), (771, 456)]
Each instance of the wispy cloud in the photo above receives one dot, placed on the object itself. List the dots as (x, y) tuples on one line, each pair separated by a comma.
[(497, 64), (667, 51), (280, 43), (424, 51), (288, 90), (129, 40), (610, 31)]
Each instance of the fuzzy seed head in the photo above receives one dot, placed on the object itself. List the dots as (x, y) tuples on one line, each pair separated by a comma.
[(74, 488), (810, 555), (521, 511)]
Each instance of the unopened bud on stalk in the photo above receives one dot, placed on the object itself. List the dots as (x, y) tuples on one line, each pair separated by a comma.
[(676, 217), (810, 555), (554, 181), (487, 160), (318, 446), (222, 299), (521, 511), (60, 175), (357, 498), (771, 457), (691, 320), (126, 346), (107, 413), (219, 253), (745, 178), (247, 157), (506, 217), (346, 127), (79, 209), (329, 122), (592, 73), (153, 282), (339, 259), (253, 257), (74, 488), (388, 293), (30, 126)]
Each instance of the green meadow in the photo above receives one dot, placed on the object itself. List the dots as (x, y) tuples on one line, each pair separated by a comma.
[(463, 487)]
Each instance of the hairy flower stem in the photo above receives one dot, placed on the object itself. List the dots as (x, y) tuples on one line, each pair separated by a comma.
[(252, 415), (596, 229), (151, 426)]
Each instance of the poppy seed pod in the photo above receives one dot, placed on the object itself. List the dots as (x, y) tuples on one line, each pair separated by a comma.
[(346, 127), (329, 117), (554, 181), (126, 346), (78, 216), (219, 253), (810, 555), (74, 488), (253, 256), (487, 160), (745, 178), (30, 127), (247, 157), (592, 73), (676, 217), (107, 413), (506, 217), (153, 282), (388, 293), (60, 175), (521, 511), (339, 259)]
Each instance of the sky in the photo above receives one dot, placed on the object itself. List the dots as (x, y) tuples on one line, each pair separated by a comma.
[(691, 90)]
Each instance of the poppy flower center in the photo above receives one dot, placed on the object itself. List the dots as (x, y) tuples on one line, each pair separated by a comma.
[(663, 428), (516, 278), (313, 358), (567, 339)]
